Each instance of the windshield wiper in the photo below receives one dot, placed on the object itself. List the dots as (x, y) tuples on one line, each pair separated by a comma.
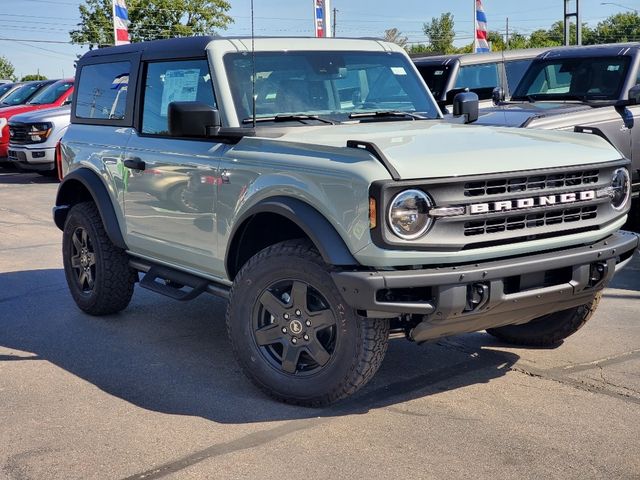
[(386, 114), (289, 118)]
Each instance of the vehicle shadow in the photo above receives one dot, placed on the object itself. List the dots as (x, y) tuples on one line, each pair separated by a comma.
[(174, 357), (10, 175)]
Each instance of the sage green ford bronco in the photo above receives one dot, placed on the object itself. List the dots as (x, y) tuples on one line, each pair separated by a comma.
[(313, 183)]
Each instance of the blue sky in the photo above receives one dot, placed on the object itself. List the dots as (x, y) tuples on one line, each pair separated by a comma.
[(24, 21)]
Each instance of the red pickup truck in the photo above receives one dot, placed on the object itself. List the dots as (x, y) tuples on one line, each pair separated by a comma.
[(55, 95)]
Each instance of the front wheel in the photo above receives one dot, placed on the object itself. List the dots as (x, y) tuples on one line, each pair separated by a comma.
[(292, 332), (550, 329)]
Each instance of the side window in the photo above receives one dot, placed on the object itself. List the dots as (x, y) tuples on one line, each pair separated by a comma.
[(481, 79), (102, 91), (173, 81), (515, 71), (478, 76)]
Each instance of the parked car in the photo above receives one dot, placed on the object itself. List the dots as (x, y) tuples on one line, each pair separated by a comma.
[(7, 88), (33, 138), (56, 94), (5, 80), (25, 92), (593, 90), (448, 75), (333, 206)]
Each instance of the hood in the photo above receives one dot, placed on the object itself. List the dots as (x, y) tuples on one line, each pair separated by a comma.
[(517, 114), (8, 112), (46, 115), (434, 148)]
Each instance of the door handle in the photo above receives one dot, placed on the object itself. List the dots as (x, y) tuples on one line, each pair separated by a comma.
[(134, 163)]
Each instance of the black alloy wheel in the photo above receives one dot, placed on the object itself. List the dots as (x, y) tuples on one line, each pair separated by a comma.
[(83, 259), (294, 328)]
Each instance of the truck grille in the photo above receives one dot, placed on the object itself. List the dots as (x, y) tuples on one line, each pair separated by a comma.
[(491, 213), (530, 183), (18, 133), (533, 220)]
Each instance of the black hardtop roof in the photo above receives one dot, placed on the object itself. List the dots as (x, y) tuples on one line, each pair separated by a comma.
[(172, 47), (477, 58), (585, 51)]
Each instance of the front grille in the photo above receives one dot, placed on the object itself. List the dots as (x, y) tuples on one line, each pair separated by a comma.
[(19, 134), (530, 183), (532, 220)]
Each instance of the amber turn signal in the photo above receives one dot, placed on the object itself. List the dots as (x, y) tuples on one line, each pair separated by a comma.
[(373, 213)]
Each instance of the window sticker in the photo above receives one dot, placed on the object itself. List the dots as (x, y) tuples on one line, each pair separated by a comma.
[(179, 86), (398, 70), (613, 68)]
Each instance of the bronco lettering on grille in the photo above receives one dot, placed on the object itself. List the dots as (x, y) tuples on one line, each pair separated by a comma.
[(532, 202)]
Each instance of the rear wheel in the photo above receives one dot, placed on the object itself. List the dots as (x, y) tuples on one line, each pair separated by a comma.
[(98, 273), (292, 333), (547, 330)]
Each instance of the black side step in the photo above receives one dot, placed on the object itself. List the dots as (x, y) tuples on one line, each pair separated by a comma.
[(173, 283)]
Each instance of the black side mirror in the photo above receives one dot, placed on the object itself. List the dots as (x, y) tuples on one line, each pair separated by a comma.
[(634, 95), (193, 119), (466, 104), (497, 95)]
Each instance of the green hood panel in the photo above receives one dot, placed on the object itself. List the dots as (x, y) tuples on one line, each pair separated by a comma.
[(434, 149)]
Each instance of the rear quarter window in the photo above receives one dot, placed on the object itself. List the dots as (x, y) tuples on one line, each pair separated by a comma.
[(102, 91)]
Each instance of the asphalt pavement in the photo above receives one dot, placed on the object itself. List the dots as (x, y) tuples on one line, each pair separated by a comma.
[(154, 391)]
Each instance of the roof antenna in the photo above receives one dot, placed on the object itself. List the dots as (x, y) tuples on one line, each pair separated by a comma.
[(253, 63)]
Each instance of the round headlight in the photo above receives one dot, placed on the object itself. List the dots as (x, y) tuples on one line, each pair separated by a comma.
[(409, 214), (620, 188)]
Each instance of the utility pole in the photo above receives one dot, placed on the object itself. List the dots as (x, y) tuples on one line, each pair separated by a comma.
[(568, 15), (506, 43), (335, 16)]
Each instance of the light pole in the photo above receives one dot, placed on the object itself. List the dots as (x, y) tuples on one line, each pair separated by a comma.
[(619, 5)]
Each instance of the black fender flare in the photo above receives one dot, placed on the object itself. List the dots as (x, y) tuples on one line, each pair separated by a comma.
[(66, 198), (324, 236)]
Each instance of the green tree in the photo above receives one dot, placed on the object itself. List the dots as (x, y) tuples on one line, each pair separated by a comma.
[(395, 36), (33, 76), (540, 38), (7, 71), (440, 33), (416, 48), (621, 27), (151, 19), (517, 40), (496, 42)]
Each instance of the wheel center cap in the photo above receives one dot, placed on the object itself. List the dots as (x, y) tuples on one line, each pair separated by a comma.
[(295, 327)]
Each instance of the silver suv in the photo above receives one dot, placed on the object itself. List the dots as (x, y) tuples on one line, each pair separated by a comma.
[(319, 190)]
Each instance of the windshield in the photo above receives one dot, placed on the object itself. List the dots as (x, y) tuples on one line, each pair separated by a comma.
[(436, 77), (333, 85), (574, 79), (52, 93), (5, 88), (23, 94)]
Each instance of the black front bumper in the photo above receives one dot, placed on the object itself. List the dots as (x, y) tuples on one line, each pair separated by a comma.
[(482, 295)]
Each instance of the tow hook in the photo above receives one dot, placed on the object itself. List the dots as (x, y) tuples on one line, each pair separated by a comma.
[(597, 273), (477, 296)]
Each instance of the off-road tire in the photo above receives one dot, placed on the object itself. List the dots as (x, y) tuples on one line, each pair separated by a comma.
[(113, 278), (360, 344), (548, 330)]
